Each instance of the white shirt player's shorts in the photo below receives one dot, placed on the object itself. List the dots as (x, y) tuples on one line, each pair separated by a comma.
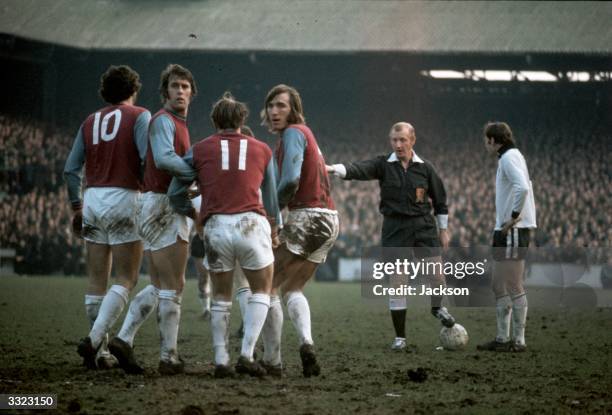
[(310, 233), (242, 237), (109, 215), (159, 225)]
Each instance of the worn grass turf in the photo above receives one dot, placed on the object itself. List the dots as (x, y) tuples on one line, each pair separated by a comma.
[(567, 369)]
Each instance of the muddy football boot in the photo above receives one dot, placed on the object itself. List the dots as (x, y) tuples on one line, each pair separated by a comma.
[(518, 348), (276, 371), (125, 355), (86, 350), (252, 368), (224, 371), (310, 367), (494, 346), (169, 368)]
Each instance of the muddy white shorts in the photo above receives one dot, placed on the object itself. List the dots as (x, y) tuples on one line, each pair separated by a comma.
[(243, 237), (159, 225), (310, 233), (109, 215)]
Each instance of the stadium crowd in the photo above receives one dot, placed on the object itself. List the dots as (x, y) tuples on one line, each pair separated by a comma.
[(567, 151)]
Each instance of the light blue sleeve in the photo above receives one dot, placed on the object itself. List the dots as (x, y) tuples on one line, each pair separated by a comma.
[(294, 144), (269, 195), (141, 134), (162, 145), (73, 169), (177, 192)]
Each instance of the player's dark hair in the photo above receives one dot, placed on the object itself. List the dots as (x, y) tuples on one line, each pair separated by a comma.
[(119, 83), (180, 72), (500, 132), (296, 116), (246, 130), (227, 113)]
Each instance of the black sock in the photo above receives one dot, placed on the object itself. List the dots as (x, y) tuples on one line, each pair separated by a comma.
[(399, 322), (436, 301)]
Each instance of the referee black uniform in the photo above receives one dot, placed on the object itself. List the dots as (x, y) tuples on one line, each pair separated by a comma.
[(405, 195)]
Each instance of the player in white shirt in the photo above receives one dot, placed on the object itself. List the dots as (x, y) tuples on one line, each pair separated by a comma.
[(515, 217)]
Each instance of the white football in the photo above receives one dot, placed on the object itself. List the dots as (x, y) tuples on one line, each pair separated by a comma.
[(454, 338)]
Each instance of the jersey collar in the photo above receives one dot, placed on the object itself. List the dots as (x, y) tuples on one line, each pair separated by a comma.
[(415, 158)]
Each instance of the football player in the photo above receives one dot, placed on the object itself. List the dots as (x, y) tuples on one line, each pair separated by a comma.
[(514, 219), (112, 143), (239, 226), (311, 227), (164, 232)]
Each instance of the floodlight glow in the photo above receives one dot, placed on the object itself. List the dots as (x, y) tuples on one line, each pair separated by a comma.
[(578, 76), (539, 76), (446, 74), (498, 75)]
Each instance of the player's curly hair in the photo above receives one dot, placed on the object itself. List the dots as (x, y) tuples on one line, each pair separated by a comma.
[(180, 72), (500, 132), (296, 116), (119, 83), (227, 113)]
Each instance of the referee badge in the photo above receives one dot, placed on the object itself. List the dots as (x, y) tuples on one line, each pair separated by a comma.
[(420, 194)]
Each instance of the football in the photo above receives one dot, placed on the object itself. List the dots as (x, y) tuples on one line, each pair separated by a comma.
[(454, 338)]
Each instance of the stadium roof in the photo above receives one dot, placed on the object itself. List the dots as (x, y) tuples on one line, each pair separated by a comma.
[(315, 25)]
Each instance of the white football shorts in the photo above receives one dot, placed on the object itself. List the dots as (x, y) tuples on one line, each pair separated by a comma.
[(310, 233), (243, 237), (159, 225), (109, 215)]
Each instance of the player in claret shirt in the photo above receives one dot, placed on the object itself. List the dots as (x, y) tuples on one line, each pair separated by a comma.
[(165, 233), (112, 143), (312, 223), (239, 211)]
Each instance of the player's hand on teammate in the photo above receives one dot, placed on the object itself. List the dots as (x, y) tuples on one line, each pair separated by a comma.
[(444, 238), (77, 223), (509, 225), (193, 192)]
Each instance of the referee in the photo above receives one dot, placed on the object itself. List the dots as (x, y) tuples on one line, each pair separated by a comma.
[(515, 217), (407, 183)]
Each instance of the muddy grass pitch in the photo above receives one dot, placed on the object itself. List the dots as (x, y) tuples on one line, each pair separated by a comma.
[(567, 369)]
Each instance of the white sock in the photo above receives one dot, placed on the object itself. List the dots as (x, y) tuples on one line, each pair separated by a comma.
[(398, 303), (205, 301), (254, 319), (242, 296), (169, 314), (114, 301), (299, 313), (141, 307), (519, 318), (92, 307), (503, 307), (219, 323), (272, 331)]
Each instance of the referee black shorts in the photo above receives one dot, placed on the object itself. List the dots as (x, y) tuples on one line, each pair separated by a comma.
[(417, 232), (197, 247), (512, 245)]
